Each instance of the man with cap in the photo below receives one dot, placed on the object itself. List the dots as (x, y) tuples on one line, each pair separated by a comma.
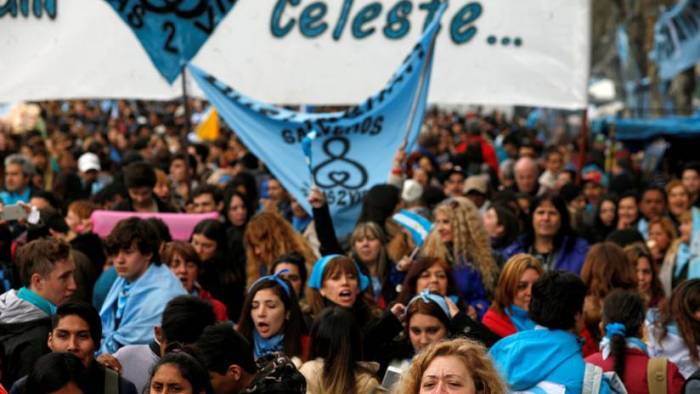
[(89, 167), (476, 189)]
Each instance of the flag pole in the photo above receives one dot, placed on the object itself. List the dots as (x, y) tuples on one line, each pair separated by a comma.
[(186, 102), (421, 83)]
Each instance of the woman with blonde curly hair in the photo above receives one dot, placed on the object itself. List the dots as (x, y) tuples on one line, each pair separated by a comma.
[(460, 365), (267, 237), (459, 237)]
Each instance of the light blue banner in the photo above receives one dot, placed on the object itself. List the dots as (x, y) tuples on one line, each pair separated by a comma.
[(677, 39), (172, 32), (353, 150)]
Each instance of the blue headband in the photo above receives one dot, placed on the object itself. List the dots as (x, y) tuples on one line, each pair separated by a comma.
[(614, 329), (275, 278), (427, 297), (316, 279)]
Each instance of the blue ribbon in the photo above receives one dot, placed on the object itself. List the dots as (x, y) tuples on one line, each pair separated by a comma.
[(316, 279), (427, 297), (275, 278), (614, 329)]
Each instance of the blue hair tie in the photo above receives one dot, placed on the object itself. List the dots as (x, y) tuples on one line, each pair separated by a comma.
[(275, 278), (316, 279), (427, 297), (614, 329)]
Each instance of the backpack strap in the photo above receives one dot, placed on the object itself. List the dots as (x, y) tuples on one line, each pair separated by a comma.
[(111, 381), (592, 379), (656, 375)]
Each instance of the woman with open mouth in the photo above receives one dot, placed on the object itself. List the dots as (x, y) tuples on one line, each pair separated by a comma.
[(336, 280), (271, 319)]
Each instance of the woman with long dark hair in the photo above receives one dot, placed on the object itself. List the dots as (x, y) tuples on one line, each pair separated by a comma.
[(605, 220), (648, 283), (502, 225), (237, 212), (335, 365), (549, 236), (271, 320), (622, 350), (219, 273)]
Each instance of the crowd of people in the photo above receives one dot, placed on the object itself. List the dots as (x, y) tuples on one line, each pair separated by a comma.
[(538, 274)]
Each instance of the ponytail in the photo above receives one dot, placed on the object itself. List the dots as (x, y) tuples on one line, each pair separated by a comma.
[(618, 344), (623, 314)]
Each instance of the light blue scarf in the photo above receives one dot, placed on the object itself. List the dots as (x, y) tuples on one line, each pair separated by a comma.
[(38, 301), (266, 346), (520, 318)]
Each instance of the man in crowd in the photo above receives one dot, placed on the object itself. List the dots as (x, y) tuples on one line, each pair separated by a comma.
[(525, 172), (228, 357), (136, 300), (18, 175), (47, 278), (207, 198), (453, 185), (139, 179), (76, 328), (691, 180), (184, 319), (652, 205)]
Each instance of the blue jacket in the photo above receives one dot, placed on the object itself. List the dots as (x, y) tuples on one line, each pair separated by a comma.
[(570, 255), (529, 358), (143, 308), (471, 287)]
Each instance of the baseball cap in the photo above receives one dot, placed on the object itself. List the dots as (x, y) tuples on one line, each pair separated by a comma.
[(412, 191), (476, 183), (89, 161)]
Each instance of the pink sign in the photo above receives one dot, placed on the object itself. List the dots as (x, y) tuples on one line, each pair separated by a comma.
[(181, 225)]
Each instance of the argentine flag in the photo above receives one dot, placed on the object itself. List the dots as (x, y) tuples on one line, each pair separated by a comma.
[(418, 226)]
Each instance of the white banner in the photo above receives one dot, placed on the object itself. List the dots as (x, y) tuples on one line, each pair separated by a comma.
[(497, 52)]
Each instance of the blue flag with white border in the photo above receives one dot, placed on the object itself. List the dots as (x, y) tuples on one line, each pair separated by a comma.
[(418, 226), (352, 151), (172, 32)]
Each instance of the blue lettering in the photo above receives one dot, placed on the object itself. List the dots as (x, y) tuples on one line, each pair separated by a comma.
[(367, 14), (277, 30), (461, 30), (397, 24), (431, 8), (310, 22), (342, 20), (28, 8)]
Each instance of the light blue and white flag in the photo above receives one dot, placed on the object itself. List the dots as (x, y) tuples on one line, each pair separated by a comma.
[(352, 151), (172, 32), (418, 226), (677, 38)]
